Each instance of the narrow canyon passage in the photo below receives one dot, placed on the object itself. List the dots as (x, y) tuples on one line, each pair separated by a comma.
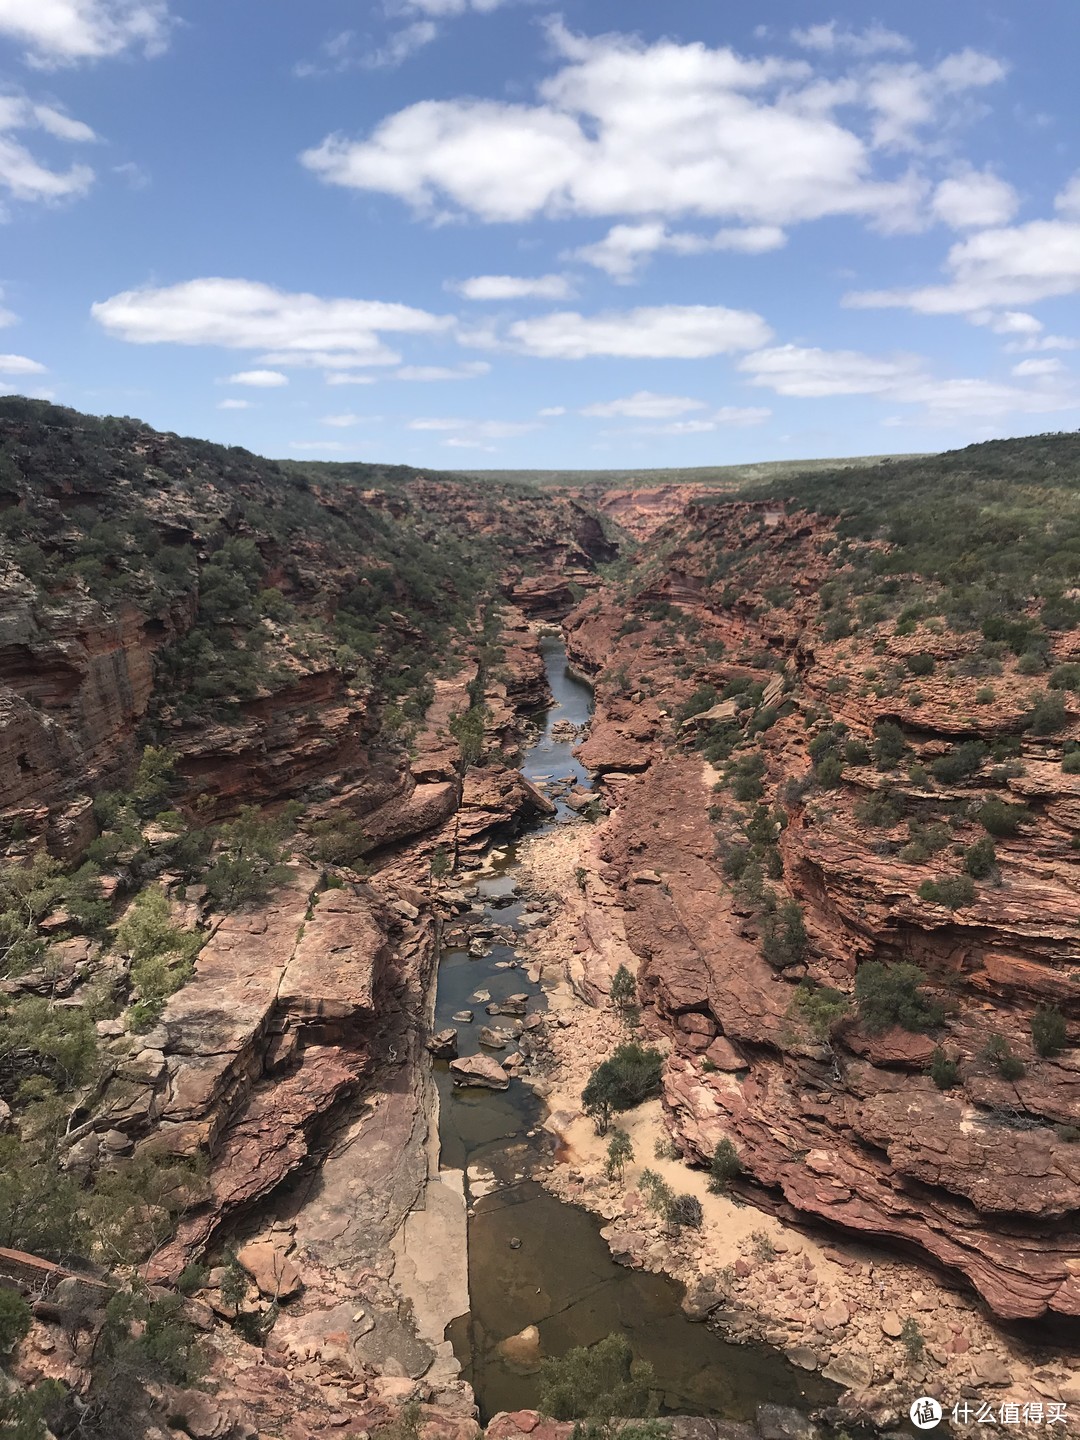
[(534, 1260)]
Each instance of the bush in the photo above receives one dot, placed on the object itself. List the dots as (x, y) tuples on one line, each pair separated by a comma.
[(703, 698), (1070, 763), (881, 809), (686, 1212), (985, 695), (1000, 818), (980, 859), (14, 1319), (1065, 677), (1049, 1032), (944, 1072), (911, 1337), (959, 763), (921, 663), (999, 1052), (889, 745), (830, 772), (856, 753), (1030, 663), (888, 995), (628, 1077), (597, 1382), (784, 939), (248, 864), (1048, 714), (724, 1167), (952, 891), (821, 1007), (162, 955)]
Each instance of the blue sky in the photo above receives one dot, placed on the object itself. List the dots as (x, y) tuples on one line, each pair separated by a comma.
[(468, 233)]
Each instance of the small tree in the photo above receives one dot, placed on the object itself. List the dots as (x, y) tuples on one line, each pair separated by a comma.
[(686, 1211), (597, 1382), (943, 1071), (724, 1167), (784, 938), (620, 1152), (623, 994), (980, 859), (629, 1076), (14, 1319), (1049, 1032)]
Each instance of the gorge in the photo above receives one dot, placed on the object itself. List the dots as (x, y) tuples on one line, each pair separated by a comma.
[(283, 797)]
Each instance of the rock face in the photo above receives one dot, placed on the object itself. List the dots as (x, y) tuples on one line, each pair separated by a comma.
[(854, 1133)]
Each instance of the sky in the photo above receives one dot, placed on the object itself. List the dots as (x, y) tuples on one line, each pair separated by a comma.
[(510, 234)]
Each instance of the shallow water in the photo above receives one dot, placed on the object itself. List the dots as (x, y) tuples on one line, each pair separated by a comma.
[(561, 1277)]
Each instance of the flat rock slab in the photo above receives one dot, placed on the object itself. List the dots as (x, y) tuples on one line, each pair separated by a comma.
[(481, 1070)]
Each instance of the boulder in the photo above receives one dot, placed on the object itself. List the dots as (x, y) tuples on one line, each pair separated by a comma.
[(271, 1269), (443, 1044), (482, 1070)]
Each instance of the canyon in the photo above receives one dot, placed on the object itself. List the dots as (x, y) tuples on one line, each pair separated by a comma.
[(824, 746)]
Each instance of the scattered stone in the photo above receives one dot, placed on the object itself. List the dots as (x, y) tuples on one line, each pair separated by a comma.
[(463, 1017), (481, 1070), (271, 1269), (891, 1325), (493, 1039), (443, 1045)]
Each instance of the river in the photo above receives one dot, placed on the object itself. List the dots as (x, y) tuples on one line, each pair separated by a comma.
[(534, 1259)]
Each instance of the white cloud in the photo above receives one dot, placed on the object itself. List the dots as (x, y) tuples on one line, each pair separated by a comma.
[(293, 329), (261, 379), (1005, 267), (625, 249), (401, 45), (22, 175), (740, 415), (477, 429), (1067, 201), (662, 332), (346, 377), (629, 129), (829, 38), (810, 372), (1009, 322), (448, 8), (513, 287), (235, 405), (1040, 342), (644, 405), (552, 411), (472, 370), (974, 199), (1034, 368), (20, 365), (62, 32), (347, 421), (813, 373), (460, 442), (907, 98)]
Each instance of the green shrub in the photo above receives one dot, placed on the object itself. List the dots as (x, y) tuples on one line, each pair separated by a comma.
[(830, 772), (162, 955), (248, 862), (911, 1337), (1048, 713), (980, 859), (881, 809), (888, 995), (1000, 818), (703, 698), (686, 1212), (944, 1072), (952, 891), (597, 1382), (999, 1052), (784, 939), (1030, 663), (820, 1007), (1049, 1031), (985, 695), (1070, 763), (623, 996), (15, 1319), (724, 1167), (921, 663), (889, 745), (1065, 677), (959, 763), (856, 753)]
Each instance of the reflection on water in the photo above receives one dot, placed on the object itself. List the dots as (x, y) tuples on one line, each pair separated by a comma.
[(534, 1260)]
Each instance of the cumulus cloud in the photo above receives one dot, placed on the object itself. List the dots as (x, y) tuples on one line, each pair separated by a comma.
[(552, 410), (476, 429), (974, 199), (260, 379), (661, 332), (625, 249), (1028, 369), (20, 365), (832, 37), (235, 405), (1067, 201), (64, 32), (644, 405), (738, 415), (623, 128), (1005, 267), (513, 287), (811, 372), (347, 377), (22, 175), (293, 329)]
